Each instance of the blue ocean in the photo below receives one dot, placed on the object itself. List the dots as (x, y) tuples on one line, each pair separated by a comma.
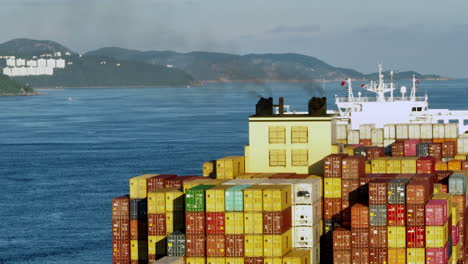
[(65, 154)]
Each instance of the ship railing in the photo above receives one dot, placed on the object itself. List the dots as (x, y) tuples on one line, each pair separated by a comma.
[(375, 99)]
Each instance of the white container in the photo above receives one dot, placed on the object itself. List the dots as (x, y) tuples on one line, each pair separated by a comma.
[(315, 254), (438, 131), (306, 215), (307, 191), (377, 136), (170, 260), (426, 131), (414, 131), (353, 137), (389, 131), (243, 181), (341, 131), (402, 131), (462, 144), (388, 142), (306, 236), (451, 130), (365, 131)]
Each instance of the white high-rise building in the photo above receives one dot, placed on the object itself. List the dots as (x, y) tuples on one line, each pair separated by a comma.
[(20, 62)]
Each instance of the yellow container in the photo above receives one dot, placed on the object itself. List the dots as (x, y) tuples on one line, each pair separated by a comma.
[(191, 184), (379, 165), (174, 221), (230, 167), (215, 260), (138, 186), (368, 167), (157, 245), (393, 165), (277, 245), (253, 245), (273, 260), (253, 198), (441, 165), (215, 198), (396, 236), (349, 150), (437, 188), (437, 236), (253, 222), (138, 249), (454, 165), (415, 256), (332, 187), (455, 214), (297, 256), (209, 168), (277, 197), (444, 196), (460, 156), (455, 252), (195, 260), (164, 200), (230, 260), (234, 223), (408, 165), (397, 256)]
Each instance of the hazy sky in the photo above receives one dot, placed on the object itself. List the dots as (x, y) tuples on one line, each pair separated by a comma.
[(429, 36)]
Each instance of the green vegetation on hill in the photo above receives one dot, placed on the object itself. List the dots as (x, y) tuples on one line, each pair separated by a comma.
[(12, 87), (27, 48), (93, 71)]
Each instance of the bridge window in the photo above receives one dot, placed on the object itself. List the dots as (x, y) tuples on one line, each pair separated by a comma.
[(299, 134), (465, 122), (299, 157), (453, 121), (416, 109), (440, 121), (277, 158), (277, 134)]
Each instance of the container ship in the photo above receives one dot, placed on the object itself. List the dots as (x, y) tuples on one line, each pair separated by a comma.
[(313, 187)]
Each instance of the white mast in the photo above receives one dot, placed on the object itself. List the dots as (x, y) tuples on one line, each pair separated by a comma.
[(350, 90), (413, 89)]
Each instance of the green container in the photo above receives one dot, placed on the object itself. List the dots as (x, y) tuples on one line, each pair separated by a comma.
[(195, 198), (234, 198)]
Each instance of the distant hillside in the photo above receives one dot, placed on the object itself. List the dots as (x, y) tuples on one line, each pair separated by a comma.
[(94, 71), (9, 86), (222, 66), (26, 48)]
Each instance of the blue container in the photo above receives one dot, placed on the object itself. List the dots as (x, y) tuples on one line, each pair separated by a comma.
[(457, 184), (234, 198)]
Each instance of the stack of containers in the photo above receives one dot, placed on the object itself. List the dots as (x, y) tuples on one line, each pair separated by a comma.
[(377, 137), (342, 133), (252, 225), (378, 220), (230, 167), (402, 132), (457, 186), (438, 229), (332, 192), (353, 167), (396, 219), (389, 134), (365, 134), (360, 233), (121, 230), (165, 216)]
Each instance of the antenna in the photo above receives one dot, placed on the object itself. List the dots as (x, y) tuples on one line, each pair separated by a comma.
[(350, 90), (413, 89)]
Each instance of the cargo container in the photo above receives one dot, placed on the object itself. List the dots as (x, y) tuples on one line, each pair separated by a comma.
[(253, 198), (234, 245), (378, 191), (422, 150), (378, 237), (449, 149), (415, 237), (398, 149), (390, 131), (195, 198), (195, 260), (176, 244), (349, 190), (454, 165), (195, 223), (353, 136), (359, 237), (415, 256), (253, 260), (277, 197), (396, 236), (425, 165), (297, 256), (158, 182), (332, 165), (451, 130), (360, 255), (215, 246), (342, 131), (438, 131), (414, 131), (121, 250), (277, 222), (342, 256), (436, 212), (377, 136), (138, 186), (378, 255), (209, 168), (253, 222), (365, 131), (353, 167), (341, 239), (394, 165), (437, 236), (306, 236), (410, 147), (139, 229), (120, 229), (457, 184), (215, 223), (396, 190), (462, 144), (426, 131), (377, 215), (174, 221), (396, 255), (121, 207), (195, 246), (379, 165), (215, 201), (234, 223), (396, 215), (139, 249), (418, 192), (234, 198), (359, 216), (402, 131), (332, 187), (306, 215), (374, 152), (253, 245), (408, 165), (308, 191), (138, 209), (437, 255), (165, 199), (230, 167), (435, 150)]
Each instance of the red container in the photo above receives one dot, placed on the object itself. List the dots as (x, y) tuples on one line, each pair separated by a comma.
[(425, 165), (442, 175), (157, 224), (398, 149), (415, 236), (360, 255), (435, 150), (437, 255), (158, 182), (253, 260), (365, 142), (359, 237), (151, 259), (436, 212), (455, 234), (277, 222), (465, 165), (139, 229), (449, 149), (121, 207), (234, 245), (195, 246), (460, 201), (353, 167), (359, 216), (332, 165), (378, 255), (342, 256), (410, 148), (378, 237), (349, 189), (346, 211), (120, 229), (215, 223), (215, 246), (194, 223), (332, 208), (396, 214), (415, 214), (418, 192), (341, 239), (141, 261), (178, 182), (378, 191), (121, 250), (374, 152)]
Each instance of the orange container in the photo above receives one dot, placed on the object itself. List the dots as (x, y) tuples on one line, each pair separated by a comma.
[(441, 166), (359, 216), (454, 165)]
